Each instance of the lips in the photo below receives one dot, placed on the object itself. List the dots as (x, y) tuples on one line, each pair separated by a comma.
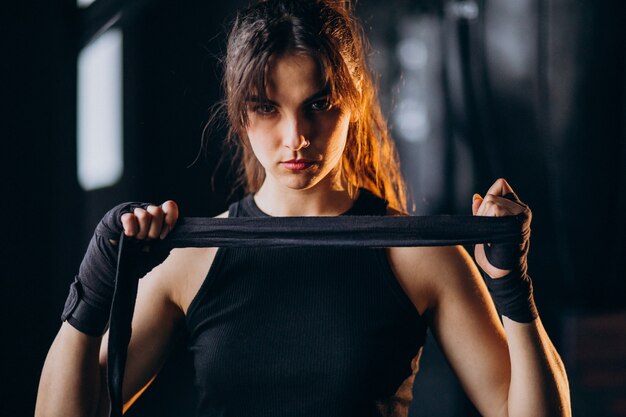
[(297, 164)]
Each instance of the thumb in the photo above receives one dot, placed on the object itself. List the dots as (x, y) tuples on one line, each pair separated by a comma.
[(476, 202)]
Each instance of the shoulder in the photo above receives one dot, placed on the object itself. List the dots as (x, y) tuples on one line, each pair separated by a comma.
[(429, 273), (426, 273), (183, 272)]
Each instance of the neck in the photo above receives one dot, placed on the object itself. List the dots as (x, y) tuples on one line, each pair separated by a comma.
[(323, 199)]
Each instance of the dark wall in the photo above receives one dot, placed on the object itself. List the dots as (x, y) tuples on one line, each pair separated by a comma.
[(40, 198)]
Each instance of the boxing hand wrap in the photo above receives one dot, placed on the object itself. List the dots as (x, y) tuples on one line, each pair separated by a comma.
[(512, 294), (88, 304), (513, 297)]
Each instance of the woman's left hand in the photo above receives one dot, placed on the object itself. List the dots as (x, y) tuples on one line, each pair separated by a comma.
[(500, 200)]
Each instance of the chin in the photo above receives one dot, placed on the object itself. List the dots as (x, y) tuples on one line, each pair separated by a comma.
[(298, 181), (299, 184)]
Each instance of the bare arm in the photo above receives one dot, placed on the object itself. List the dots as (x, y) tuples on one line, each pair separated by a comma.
[(538, 378), (523, 376), (70, 382), (72, 379), (510, 370)]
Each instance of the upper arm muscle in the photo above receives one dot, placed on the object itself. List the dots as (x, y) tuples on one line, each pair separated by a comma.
[(444, 283), (155, 326)]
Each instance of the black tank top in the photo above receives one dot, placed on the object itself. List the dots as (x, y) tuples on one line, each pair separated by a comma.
[(302, 331)]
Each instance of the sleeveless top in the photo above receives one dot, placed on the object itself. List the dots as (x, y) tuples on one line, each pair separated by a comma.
[(302, 331)]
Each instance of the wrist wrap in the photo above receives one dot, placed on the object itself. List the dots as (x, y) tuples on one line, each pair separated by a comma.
[(88, 304), (513, 293), (513, 296)]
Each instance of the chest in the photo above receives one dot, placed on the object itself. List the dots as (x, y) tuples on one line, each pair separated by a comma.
[(318, 324)]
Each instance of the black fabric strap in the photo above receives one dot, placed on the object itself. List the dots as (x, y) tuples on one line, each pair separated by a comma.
[(341, 231)]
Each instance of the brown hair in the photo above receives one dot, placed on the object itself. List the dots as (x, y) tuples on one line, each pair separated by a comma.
[(326, 31)]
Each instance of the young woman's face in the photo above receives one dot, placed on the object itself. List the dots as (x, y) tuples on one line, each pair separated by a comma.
[(298, 135)]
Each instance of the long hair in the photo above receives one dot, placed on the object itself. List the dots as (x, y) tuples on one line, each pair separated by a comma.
[(328, 32)]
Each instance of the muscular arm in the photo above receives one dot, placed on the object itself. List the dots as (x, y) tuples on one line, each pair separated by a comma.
[(70, 382), (73, 379), (510, 370), (538, 378)]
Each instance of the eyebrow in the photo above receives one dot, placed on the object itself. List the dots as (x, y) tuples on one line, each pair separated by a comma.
[(321, 93)]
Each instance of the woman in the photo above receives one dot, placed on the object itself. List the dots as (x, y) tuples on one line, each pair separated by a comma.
[(310, 331)]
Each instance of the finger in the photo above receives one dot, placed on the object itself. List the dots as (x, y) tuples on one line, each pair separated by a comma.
[(130, 224), (510, 206), (156, 224), (492, 208), (485, 206), (500, 187), (498, 208), (170, 209), (144, 219), (476, 201)]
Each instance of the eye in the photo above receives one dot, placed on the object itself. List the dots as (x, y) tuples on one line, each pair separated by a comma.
[(321, 104), (264, 108)]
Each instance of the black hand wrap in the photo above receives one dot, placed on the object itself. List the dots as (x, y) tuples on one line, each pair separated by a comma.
[(513, 293), (88, 304)]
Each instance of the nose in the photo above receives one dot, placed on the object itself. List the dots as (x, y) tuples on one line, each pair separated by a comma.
[(295, 134)]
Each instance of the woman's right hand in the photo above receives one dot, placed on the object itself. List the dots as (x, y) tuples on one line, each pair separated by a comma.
[(89, 302), (149, 222)]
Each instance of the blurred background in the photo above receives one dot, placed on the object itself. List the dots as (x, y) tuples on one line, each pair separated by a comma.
[(106, 101)]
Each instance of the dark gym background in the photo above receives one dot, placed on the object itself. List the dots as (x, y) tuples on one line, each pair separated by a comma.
[(531, 90)]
